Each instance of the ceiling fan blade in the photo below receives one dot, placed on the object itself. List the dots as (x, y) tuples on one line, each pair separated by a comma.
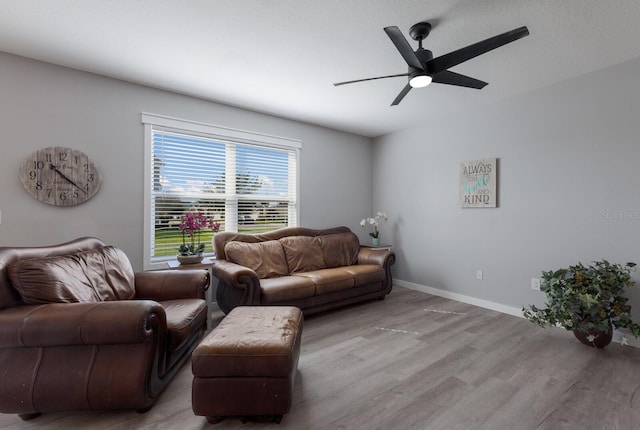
[(452, 78), (403, 93), (461, 55), (403, 47), (369, 79)]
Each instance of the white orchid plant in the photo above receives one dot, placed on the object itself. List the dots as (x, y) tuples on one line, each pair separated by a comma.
[(375, 222)]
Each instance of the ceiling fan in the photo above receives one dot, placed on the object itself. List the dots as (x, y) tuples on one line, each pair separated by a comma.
[(424, 69)]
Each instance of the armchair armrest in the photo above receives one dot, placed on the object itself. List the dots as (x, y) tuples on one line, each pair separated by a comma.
[(66, 324), (172, 284)]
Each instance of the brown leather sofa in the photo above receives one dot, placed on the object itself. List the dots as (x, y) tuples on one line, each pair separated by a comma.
[(313, 270), (80, 330)]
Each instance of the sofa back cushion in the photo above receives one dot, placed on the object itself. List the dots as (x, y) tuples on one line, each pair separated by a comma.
[(267, 258), (100, 274), (339, 249), (303, 253)]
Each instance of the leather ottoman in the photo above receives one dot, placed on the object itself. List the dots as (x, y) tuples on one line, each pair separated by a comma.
[(246, 366)]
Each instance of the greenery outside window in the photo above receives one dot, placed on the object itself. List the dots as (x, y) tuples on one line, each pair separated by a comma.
[(246, 181)]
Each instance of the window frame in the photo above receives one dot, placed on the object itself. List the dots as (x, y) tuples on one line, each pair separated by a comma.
[(153, 122)]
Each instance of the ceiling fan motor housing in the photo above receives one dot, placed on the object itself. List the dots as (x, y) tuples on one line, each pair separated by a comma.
[(424, 55)]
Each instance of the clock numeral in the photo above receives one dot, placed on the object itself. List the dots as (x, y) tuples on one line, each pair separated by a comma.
[(62, 156), (38, 164), (90, 177), (75, 194), (86, 187), (63, 196), (49, 191), (32, 174), (47, 157), (86, 168)]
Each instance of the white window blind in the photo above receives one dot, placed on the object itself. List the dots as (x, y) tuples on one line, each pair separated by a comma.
[(246, 181)]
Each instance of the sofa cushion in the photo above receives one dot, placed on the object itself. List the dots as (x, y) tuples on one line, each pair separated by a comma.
[(95, 275), (366, 273), (303, 253), (267, 259), (286, 288), (340, 249), (329, 280)]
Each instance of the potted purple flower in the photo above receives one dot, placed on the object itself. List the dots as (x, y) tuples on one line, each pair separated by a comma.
[(191, 225)]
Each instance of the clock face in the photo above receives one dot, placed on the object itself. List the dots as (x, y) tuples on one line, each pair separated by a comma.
[(60, 176)]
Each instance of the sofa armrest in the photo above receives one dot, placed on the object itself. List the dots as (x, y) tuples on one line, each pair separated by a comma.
[(384, 259), (380, 258), (67, 324), (238, 276), (164, 285), (235, 275)]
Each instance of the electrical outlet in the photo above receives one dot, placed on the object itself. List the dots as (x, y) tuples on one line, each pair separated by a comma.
[(535, 284), (478, 274)]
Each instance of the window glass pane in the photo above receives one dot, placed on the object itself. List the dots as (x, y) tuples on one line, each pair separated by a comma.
[(187, 164), (258, 216), (262, 171), (169, 211)]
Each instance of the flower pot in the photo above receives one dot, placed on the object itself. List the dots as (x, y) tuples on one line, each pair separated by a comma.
[(190, 259), (375, 241), (599, 338)]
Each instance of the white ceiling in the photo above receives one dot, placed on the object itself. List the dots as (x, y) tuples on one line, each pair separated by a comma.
[(282, 56)]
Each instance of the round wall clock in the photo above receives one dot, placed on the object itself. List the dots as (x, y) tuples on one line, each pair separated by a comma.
[(60, 176)]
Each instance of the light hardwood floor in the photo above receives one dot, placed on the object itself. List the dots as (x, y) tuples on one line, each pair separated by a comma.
[(416, 361)]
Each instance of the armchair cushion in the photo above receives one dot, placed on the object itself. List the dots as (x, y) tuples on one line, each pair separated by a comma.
[(96, 275), (184, 317)]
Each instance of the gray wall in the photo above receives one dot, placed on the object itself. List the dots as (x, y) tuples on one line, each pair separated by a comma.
[(44, 105), (568, 189)]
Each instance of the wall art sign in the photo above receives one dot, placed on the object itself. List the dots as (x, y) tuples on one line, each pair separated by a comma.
[(478, 180)]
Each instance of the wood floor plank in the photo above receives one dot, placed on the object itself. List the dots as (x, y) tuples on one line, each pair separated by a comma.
[(417, 361)]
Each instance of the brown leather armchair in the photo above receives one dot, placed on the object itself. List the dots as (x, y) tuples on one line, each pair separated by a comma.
[(80, 330)]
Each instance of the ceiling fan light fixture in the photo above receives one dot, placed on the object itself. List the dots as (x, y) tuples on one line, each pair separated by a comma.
[(420, 81)]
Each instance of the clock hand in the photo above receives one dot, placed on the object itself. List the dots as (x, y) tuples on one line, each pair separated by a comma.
[(52, 166)]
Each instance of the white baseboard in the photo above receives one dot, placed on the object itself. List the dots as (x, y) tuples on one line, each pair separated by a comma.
[(498, 307)]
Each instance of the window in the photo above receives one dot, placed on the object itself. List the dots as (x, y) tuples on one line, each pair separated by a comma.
[(246, 181)]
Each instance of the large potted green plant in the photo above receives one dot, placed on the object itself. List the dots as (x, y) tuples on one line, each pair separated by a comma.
[(588, 300)]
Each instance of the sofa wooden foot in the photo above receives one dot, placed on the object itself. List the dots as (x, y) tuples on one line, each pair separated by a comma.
[(27, 417), (214, 420)]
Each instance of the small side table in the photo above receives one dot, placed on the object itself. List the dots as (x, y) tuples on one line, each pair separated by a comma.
[(205, 264), (380, 247)]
